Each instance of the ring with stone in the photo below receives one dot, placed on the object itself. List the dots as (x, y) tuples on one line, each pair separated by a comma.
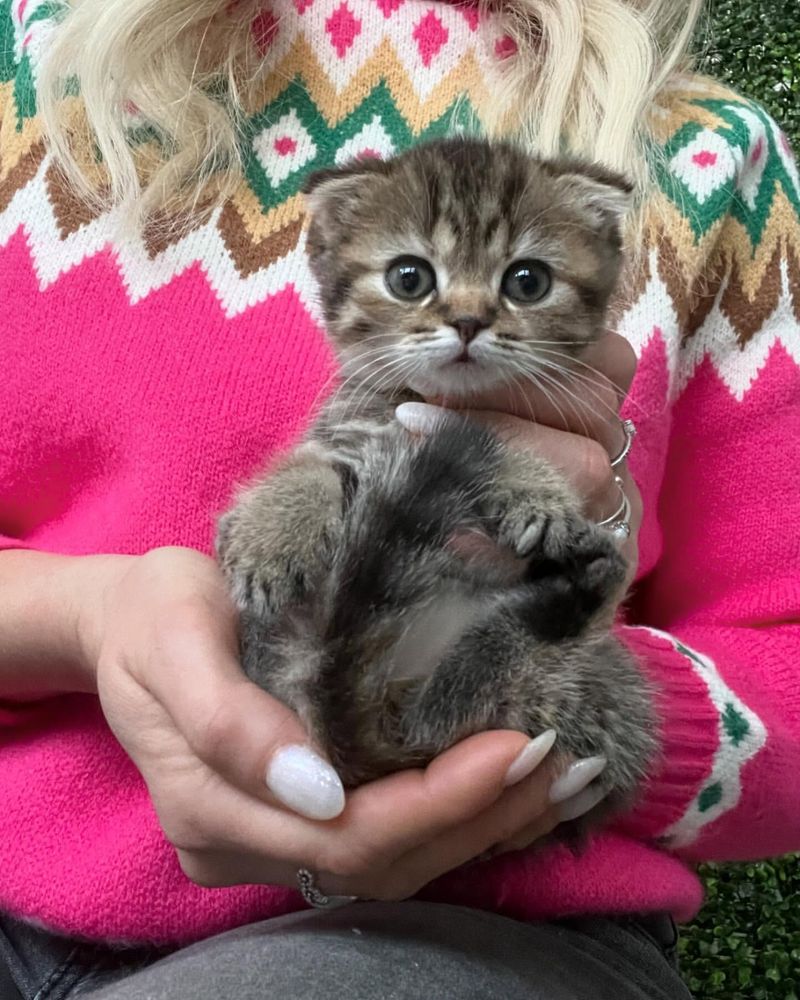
[(315, 897), (618, 523), (629, 429)]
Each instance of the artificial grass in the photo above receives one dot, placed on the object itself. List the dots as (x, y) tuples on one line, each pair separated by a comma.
[(754, 45), (745, 945)]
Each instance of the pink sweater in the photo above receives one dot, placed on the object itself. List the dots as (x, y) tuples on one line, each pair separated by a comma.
[(142, 379)]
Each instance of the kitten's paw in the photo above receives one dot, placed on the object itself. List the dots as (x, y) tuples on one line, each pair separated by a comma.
[(578, 570), (265, 590), (264, 575)]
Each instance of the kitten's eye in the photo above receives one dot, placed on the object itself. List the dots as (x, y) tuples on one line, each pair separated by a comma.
[(410, 278), (527, 281)]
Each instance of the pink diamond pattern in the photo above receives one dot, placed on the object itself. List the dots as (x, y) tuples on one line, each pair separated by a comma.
[(343, 28), (705, 158), (264, 27), (505, 47), (471, 15), (389, 6), (285, 145), (301, 6), (430, 35)]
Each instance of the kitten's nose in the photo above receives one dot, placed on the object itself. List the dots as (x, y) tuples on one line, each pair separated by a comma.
[(468, 327)]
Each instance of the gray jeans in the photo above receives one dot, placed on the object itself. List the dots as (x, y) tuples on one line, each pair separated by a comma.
[(391, 951)]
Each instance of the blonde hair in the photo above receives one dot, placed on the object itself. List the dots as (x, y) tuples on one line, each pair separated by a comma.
[(585, 81)]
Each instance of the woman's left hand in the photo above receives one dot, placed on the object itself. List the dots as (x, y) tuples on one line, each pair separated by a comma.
[(577, 428)]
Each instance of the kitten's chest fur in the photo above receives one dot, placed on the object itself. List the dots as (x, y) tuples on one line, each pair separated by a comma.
[(348, 424)]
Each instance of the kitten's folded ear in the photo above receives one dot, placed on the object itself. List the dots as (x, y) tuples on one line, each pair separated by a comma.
[(602, 196), (332, 194)]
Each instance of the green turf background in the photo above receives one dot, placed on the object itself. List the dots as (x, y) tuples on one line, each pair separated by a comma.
[(754, 45), (746, 943)]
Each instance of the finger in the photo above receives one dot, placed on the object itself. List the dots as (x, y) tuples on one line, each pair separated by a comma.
[(613, 357), (518, 808), (584, 462), (529, 835), (630, 547), (234, 727), (582, 396), (403, 811), (382, 821)]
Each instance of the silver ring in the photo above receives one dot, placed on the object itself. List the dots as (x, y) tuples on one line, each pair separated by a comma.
[(629, 429), (618, 523), (315, 897)]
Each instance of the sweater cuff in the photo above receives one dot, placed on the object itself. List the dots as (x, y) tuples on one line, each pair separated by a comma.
[(688, 729)]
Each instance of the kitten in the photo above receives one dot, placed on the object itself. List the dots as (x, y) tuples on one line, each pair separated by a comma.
[(402, 593)]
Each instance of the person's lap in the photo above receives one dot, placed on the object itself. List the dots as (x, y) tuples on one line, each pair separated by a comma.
[(403, 951)]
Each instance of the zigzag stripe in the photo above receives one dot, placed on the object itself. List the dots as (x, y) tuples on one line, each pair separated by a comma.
[(717, 339), (141, 271), (735, 330), (17, 137), (383, 66)]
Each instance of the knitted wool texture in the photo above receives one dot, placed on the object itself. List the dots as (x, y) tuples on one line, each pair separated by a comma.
[(144, 376)]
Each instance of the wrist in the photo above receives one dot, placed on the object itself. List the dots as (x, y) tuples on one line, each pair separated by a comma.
[(51, 620), (93, 580)]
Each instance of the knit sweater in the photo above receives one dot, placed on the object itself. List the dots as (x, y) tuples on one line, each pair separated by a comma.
[(144, 376)]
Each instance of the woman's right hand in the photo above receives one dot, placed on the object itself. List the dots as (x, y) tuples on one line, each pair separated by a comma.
[(238, 790)]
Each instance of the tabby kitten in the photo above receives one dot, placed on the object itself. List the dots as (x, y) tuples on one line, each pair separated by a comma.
[(401, 593)]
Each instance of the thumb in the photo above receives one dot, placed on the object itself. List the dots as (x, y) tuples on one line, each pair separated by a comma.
[(238, 730)]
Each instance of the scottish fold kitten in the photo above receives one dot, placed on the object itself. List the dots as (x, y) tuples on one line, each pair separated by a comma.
[(402, 592)]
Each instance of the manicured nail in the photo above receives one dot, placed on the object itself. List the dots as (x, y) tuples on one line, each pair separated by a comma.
[(305, 783), (530, 758), (581, 803), (576, 778), (420, 418)]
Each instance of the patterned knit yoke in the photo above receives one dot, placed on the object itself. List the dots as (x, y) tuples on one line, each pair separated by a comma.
[(145, 375)]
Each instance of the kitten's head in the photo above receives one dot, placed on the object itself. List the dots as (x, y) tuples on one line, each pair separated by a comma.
[(463, 264)]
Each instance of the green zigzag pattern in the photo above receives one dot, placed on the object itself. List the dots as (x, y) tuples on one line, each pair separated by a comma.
[(726, 198), (328, 140), (8, 69)]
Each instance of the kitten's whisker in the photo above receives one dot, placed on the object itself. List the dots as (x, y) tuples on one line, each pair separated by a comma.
[(584, 383), (569, 400), (577, 405), (535, 377), (542, 378), (602, 378), (354, 395), (516, 381), (569, 376), (378, 355)]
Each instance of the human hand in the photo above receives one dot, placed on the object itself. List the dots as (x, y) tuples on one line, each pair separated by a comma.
[(572, 419), (239, 792)]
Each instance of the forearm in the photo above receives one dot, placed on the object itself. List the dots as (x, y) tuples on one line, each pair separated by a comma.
[(47, 616)]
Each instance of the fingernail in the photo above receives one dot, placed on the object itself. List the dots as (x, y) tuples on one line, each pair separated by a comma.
[(576, 778), (530, 758), (580, 803), (420, 418), (305, 783)]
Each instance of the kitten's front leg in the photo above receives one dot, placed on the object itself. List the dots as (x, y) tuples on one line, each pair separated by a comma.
[(278, 540), (575, 565)]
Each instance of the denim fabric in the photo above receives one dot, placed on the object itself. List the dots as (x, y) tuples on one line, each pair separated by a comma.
[(406, 951), (37, 965)]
